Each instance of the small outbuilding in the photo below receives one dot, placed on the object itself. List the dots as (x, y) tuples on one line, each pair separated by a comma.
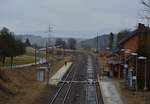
[(41, 73)]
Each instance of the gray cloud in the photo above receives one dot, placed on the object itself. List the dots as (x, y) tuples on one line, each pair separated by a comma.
[(79, 18)]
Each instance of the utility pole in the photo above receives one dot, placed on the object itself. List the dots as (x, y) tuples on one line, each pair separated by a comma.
[(46, 51), (35, 53), (48, 41), (97, 41), (49, 34)]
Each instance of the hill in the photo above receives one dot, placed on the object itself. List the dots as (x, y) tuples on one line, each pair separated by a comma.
[(103, 42), (38, 40)]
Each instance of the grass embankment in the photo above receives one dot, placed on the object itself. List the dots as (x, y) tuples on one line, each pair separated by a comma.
[(58, 63), (103, 63), (27, 58), (20, 86)]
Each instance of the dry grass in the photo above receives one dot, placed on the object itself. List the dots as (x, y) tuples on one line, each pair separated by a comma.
[(102, 60), (14, 81), (19, 60), (19, 86), (58, 64)]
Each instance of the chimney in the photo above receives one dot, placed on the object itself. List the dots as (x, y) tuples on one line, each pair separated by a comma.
[(141, 26)]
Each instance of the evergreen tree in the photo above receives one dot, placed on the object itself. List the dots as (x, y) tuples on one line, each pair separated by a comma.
[(111, 41), (72, 43), (9, 46), (60, 43), (123, 34), (27, 42)]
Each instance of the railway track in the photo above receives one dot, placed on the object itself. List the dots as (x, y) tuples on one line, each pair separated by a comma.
[(60, 97), (80, 86), (91, 89)]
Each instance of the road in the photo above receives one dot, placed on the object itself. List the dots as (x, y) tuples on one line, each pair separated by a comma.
[(80, 85)]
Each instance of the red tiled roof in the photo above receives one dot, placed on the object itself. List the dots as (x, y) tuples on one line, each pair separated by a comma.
[(141, 28)]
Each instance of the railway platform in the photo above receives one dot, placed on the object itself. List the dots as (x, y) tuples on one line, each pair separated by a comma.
[(57, 77), (109, 92)]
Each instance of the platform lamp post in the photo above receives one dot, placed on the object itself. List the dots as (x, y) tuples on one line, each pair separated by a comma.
[(136, 69), (120, 60), (122, 51), (108, 49), (128, 73), (125, 51), (145, 74)]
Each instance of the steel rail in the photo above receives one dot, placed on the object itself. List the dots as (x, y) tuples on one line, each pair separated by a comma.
[(68, 91), (62, 86), (59, 90)]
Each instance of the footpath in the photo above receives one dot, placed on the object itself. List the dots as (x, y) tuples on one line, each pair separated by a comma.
[(54, 80), (41, 61), (109, 91)]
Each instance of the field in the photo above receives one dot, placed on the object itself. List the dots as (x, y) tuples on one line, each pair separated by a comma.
[(28, 57)]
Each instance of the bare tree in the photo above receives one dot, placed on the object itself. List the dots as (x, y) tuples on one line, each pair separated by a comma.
[(146, 15)]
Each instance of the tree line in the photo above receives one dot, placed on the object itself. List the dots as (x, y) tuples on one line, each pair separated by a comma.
[(9, 46), (120, 35), (70, 44)]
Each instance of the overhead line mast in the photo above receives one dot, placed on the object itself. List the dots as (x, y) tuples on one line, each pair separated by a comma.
[(97, 41), (48, 42)]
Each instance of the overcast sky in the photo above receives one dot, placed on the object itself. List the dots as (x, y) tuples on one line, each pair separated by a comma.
[(77, 18)]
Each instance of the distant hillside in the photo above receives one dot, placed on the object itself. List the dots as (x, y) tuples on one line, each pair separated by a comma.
[(40, 41), (103, 42)]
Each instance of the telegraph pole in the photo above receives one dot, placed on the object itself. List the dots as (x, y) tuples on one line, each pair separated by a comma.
[(46, 51), (48, 41), (49, 34), (97, 41), (35, 53)]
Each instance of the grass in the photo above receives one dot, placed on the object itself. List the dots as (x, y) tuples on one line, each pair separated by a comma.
[(31, 52), (19, 60), (28, 57), (58, 64), (102, 60), (19, 86)]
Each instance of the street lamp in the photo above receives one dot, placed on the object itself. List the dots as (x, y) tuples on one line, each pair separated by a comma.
[(122, 49), (136, 54), (125, 52), (145, 86), (144, 58), (107, 49)]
